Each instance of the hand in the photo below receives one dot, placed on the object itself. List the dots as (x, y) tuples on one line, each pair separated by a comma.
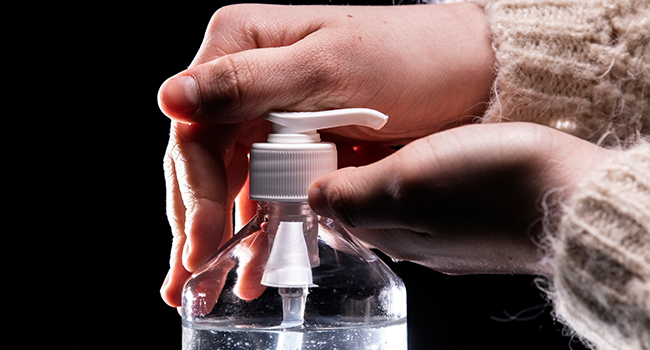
[(249, 256), (424, 66), (466, 200)]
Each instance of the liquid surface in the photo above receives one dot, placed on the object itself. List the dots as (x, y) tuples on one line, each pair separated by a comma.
[(376, 337)]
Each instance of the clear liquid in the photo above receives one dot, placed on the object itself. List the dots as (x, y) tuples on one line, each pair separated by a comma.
[(390, 336)]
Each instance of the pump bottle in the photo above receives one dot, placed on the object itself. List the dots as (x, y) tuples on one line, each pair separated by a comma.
[(291, 280)]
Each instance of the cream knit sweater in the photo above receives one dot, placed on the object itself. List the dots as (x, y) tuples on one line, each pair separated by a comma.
[(583, 67), (602, 256)]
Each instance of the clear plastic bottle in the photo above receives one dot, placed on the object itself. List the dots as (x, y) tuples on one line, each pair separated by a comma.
[(291, 280)]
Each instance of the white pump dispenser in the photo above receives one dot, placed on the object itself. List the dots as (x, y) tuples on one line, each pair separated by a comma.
[(291, 279), (282, 170)]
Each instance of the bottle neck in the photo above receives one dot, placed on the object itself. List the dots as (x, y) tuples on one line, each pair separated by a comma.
[(289, 211), (278, 212)]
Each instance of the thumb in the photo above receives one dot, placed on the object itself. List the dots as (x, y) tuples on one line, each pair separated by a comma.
[(460, 179), (243, 85), (378, 195)]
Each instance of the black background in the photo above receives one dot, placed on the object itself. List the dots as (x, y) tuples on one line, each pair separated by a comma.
[(110, 169)]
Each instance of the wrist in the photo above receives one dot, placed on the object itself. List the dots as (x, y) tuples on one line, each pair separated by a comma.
[(471, 59)]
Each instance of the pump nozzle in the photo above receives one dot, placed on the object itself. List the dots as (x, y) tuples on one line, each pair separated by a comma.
[(288, 265), (306, 123), (288, 268)]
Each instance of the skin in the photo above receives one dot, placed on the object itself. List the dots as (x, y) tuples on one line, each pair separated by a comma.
[(446, 200), (462, 201)]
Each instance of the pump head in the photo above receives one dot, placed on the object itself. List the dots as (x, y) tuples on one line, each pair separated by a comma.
[(283, 168), (307, 123)]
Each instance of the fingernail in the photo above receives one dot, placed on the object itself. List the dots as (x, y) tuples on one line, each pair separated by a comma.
[(180, 95)]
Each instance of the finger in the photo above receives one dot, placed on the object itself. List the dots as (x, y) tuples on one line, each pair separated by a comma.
[(245, 49), (432, 184), (197, 188), (366, 196), (245, 27), (196, 184), (253, 254), (205, 207), (172, 287), (207, 287), (243, 85), (199, 156), (177, 274), (250, 254)]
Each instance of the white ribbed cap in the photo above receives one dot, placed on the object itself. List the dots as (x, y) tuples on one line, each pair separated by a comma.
[(284, 172)]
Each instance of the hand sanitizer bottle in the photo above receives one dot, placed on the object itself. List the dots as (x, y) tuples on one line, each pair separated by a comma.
[(291, 280)]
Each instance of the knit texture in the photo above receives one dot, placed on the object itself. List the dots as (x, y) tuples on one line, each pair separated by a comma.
[(602, 256), (579, 66)]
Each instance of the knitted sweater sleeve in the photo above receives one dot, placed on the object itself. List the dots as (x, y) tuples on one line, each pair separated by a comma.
[(602, 255), (579, 66)]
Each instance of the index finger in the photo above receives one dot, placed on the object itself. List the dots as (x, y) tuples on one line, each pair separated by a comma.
[(242, 27), (254, 59)]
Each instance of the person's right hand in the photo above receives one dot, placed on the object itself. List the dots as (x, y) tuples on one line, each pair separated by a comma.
[(424, 66), (463, 201)]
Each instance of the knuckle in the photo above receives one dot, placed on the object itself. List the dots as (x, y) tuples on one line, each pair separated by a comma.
[(329, 61), (220, 19), (168, 165), (169, 168), (229, 83), (332, 69)]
